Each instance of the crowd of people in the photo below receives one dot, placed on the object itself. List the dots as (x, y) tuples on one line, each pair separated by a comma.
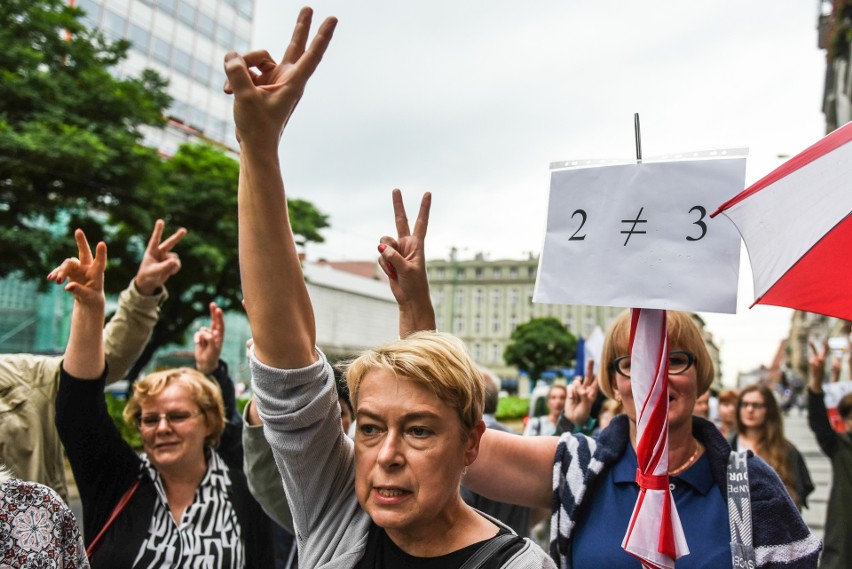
[(395, 458)]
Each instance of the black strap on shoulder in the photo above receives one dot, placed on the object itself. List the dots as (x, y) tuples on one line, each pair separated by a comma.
[(488, 550)]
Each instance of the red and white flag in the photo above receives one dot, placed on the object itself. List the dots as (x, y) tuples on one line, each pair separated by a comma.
[(654, 535), (797, 225)]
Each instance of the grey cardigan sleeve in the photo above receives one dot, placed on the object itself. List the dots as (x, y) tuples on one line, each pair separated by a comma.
[(264, 480), (301, 422)]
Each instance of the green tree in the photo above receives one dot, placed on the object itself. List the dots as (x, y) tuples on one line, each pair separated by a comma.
[(196, 189), (69, 130), (540, 344)]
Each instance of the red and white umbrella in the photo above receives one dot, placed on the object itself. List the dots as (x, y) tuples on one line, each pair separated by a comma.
[(654, 535), (797, 226)]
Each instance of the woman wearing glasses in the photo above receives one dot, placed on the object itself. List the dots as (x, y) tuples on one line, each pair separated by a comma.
[(760, 429), (590, 484), (179, 504)]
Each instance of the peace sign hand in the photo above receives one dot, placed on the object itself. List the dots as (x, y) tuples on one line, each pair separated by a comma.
[(84, 273), (404, 262), (159, 262), (263, 102)]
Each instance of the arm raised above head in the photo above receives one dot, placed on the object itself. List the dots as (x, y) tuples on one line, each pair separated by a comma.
[(276, 298), (84, 354)]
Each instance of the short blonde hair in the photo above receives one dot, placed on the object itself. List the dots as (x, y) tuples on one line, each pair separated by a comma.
[(435, 360), (205, 393), (683, 333)]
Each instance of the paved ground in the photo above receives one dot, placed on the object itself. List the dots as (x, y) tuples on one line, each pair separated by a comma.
[(797, 432)]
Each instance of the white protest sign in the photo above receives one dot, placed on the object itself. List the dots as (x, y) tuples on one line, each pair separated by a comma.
[(640, 235)]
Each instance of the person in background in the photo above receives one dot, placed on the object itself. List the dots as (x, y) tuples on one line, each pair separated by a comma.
[(728, 412), (516, 517), (37, 529), (702, 406), (590, 484), (29, 444), (179, 504), (546, 424), (838, 447), (760, 429)]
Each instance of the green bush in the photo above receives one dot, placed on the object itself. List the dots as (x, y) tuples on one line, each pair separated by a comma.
[(115, 406), (512, 407)]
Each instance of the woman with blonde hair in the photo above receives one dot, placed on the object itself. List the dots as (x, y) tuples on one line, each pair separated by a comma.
[(760, 429), (180, 503), (390, 498)]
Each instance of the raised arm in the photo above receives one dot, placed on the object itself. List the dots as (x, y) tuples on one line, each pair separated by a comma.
[(404, 262), (84, 354), (130, 328), (276, 298), (818, 420)]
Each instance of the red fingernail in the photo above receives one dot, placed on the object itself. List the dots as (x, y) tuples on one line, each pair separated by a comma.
[(391, 270), (382, 248)]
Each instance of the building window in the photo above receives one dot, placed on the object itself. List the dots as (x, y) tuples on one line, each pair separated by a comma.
[(477, 324), (201, 72), (460, 273), (477, 352), (114, 24), (206, 25), (495, 324), (460, 297), (161, 51), (92, 10), (167, 6), (513, 272), (439, 321), (477, 298), (439, 297), (531, 272), (225, 37), (182, 61), (186, 13), (496, 356), (458, 326), (495, 297), (497, 272), (140, 38), (480, 272), (514, 296), (441, 273)]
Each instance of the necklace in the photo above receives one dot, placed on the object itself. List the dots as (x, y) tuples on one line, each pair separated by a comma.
[(689, 462)]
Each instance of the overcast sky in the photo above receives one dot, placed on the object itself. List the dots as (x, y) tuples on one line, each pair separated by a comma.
[(473, 100)]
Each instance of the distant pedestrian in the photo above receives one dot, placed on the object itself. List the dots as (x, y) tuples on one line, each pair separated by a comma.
[(760, 429), (545, 425), (838, 447)]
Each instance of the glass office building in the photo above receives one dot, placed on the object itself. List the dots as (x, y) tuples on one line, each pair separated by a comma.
[(185, 41)]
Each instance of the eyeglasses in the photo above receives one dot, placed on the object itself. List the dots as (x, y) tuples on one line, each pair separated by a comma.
[(679, 362), (152, 420), (753, 404)]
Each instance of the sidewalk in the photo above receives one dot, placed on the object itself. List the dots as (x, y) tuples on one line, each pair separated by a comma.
[(797, 432)]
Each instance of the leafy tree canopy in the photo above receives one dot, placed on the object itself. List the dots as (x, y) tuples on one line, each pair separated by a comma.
[(69, 129), (196, 189), (540, 344)]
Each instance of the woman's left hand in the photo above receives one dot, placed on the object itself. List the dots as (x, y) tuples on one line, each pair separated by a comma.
[(84, 273), (581, 395)]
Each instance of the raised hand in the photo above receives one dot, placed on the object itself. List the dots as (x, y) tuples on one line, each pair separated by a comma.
[(581, 395), (817, 366), (159, 261), (264, 101), (84, 273), (404, 262), (208, 341)]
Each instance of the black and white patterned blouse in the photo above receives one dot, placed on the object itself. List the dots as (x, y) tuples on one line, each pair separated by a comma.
[(208, 534)]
